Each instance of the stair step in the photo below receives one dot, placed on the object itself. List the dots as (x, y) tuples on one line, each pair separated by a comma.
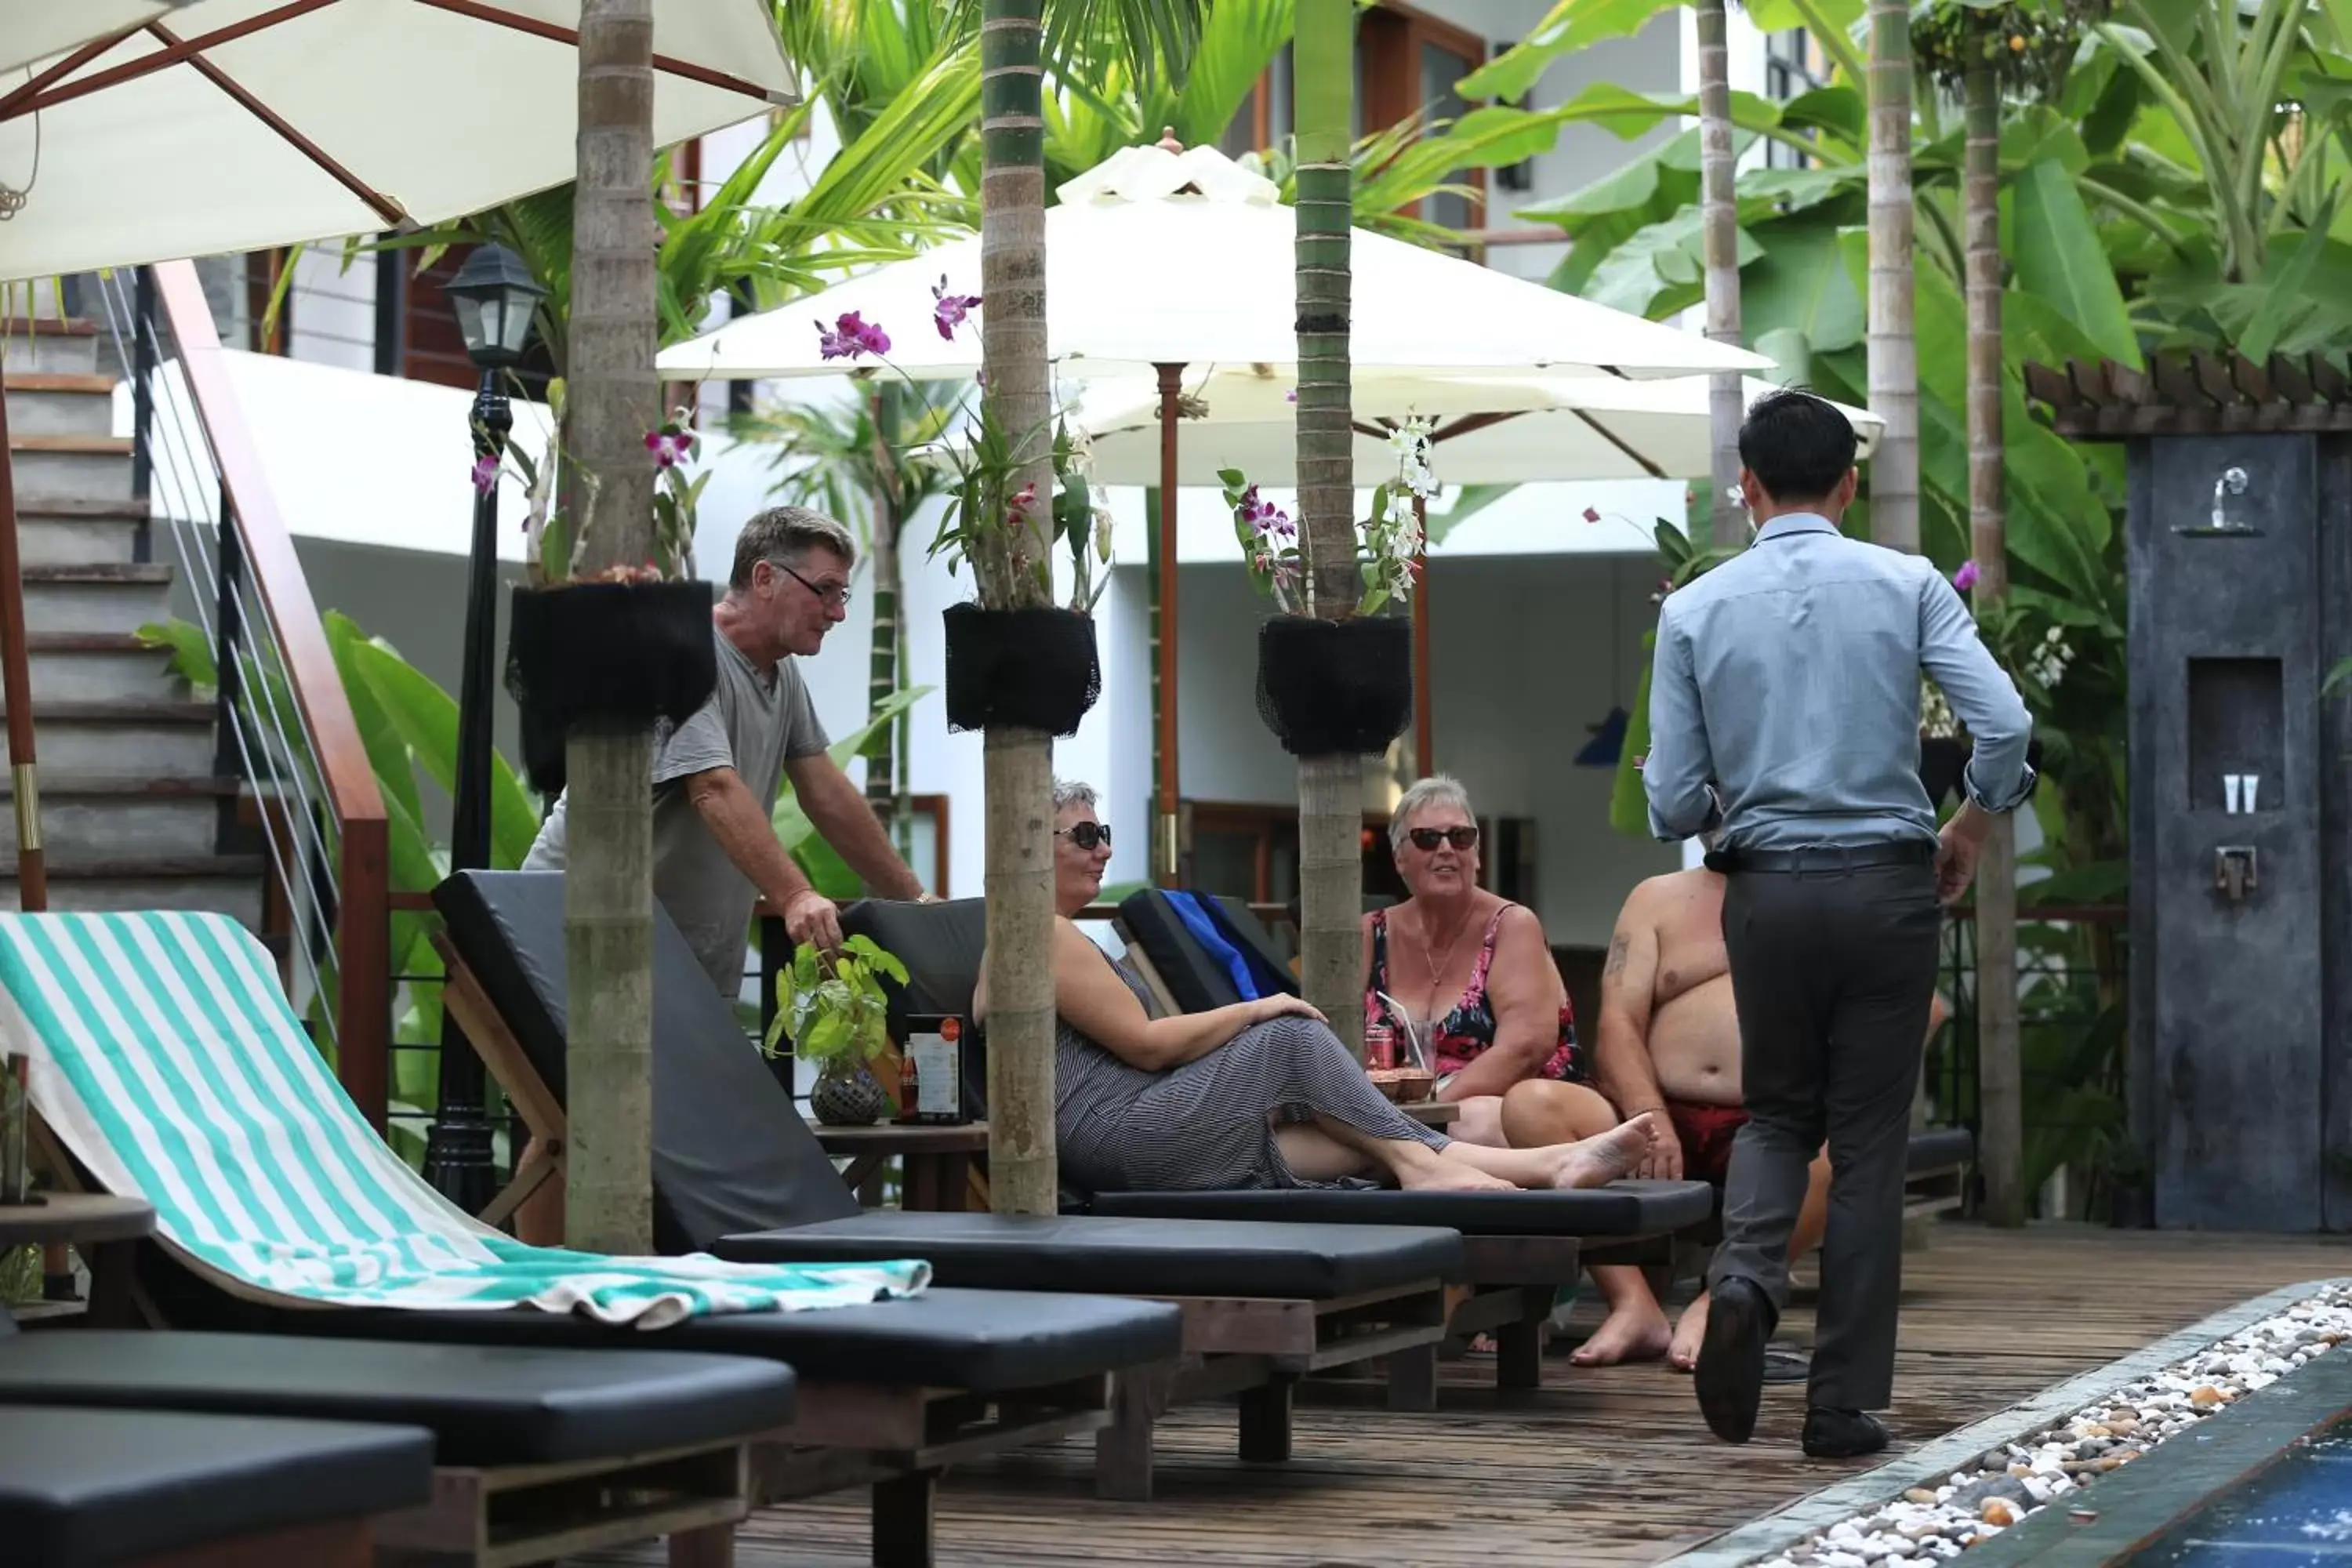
[(137, 739), (60, 533), (71, 465), (70, 441), (99, 666), (230, 884), (48, 326), (57, 381), (56, 402), (57, 784), (81, 827), (99, 572), (51, 347), (116, 596)]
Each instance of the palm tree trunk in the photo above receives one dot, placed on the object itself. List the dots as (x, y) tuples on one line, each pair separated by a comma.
[(1719, 243), (613, 400), (1999, 1083), (882, 659), (1330, 789), (1022, 1172), (1894, 374)]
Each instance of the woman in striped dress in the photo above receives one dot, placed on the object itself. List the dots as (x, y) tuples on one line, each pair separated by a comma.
[(1261, 1094)]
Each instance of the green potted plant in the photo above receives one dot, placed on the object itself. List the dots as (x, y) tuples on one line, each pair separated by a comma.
[(833, 1011)]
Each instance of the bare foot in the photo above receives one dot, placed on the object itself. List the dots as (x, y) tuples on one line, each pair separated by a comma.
[(1629, 1334), (1443, 1175), (1683, 1354), (1597, 1162)]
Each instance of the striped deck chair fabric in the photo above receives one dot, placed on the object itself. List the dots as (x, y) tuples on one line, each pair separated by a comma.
[(166, 1059)]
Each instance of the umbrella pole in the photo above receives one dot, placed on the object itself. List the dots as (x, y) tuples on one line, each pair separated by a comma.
[(1165, 869), (1424, 716)]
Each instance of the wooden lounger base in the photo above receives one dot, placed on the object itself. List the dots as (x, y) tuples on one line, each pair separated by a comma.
[(339, 1544), (539, 1513), (899, 1440), (1257, 1349)]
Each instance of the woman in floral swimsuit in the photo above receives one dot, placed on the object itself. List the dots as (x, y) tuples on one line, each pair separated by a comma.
[(1489, 1016)]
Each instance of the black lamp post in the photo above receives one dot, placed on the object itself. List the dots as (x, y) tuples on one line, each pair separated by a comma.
[(494, 297)]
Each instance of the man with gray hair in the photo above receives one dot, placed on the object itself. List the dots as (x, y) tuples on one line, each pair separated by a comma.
[(716, 776)]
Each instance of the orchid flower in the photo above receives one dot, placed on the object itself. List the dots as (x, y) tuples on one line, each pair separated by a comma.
[(852, 335), (951, 310), (1966, 577), (485, 474)]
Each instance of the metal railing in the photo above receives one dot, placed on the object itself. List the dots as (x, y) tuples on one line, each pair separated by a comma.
[(2072, 982), (284, 725)]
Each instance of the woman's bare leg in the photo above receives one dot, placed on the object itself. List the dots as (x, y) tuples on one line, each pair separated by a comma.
[(1315, 1155), (1588, 1163), (1545, 1110), (1481, 1122)]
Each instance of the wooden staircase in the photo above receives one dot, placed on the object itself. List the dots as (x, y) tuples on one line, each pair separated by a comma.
[(135, 811)]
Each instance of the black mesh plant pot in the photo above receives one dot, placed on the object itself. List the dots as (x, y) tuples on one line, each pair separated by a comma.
[(1020, 669), (1335, 688), (613, 655), (542, 751)]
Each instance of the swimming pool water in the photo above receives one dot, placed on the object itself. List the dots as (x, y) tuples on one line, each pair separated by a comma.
[(2296, 1514)]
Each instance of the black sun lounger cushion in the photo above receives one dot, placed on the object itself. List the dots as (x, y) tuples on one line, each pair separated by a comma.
[(1940, 1149), (486, 1406), (1125, 1256), (1621, 1209), (984, 1340), (1198, 979), (82, 1488), (743, 1155), (730, 1152)]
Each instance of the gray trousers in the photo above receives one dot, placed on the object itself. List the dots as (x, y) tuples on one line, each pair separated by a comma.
[(1833, 972)]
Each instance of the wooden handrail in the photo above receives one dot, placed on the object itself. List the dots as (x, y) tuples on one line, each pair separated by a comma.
[(362, 936)]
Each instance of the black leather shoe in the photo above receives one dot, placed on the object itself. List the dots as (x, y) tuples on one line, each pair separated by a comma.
[(1842, 1434), (1729, 1376)]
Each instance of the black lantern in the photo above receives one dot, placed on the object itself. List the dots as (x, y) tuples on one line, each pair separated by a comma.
[(495, 297)]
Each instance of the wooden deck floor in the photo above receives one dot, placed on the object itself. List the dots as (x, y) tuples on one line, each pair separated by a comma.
[(1603, 1466)]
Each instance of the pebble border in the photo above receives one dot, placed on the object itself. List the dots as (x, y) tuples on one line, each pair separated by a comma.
[(1941, 1468)]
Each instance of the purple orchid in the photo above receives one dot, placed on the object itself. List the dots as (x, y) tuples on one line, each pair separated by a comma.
[(485, 474), (1966, 577), (1269, 519), (1593, 515), (850, 336), (669, 446), (948, 313)]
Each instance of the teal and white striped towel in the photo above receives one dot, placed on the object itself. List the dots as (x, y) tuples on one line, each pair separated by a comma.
[(165, 1058)]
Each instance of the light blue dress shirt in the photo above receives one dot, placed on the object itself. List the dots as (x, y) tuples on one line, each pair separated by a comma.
[(1784, 696)]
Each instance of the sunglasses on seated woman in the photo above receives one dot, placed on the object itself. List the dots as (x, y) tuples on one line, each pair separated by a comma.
[(1427, 839), (1086, 836)]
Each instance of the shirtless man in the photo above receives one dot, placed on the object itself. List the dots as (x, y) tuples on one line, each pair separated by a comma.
[(1668, 1041)]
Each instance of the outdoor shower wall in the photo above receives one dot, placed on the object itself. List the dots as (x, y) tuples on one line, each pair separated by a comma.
[(2241, 976)]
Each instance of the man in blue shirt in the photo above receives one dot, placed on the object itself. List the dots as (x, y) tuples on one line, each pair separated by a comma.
[(1784, 722)]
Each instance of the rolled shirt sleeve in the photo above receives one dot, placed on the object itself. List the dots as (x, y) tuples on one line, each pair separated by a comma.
[(1980, 692), (1679, 771)]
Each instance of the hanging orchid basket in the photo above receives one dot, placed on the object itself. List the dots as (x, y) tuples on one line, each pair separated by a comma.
[(1335, 688), (1020, 669), (606, 655)]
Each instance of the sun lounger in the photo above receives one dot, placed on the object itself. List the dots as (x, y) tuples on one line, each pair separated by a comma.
[(167, 1065), (733, 1159), (536, 1453), (108, 1488), (1519, 1249)]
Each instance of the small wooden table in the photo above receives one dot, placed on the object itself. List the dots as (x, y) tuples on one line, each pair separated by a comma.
[(88, 1221), (938, 1159)]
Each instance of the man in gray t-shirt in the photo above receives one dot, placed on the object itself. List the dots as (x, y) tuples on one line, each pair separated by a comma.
[(716, 775)]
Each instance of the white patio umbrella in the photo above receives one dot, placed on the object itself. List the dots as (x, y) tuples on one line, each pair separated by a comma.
[(1513, 431), (1157, 257), (233, 125), (35, 29)]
